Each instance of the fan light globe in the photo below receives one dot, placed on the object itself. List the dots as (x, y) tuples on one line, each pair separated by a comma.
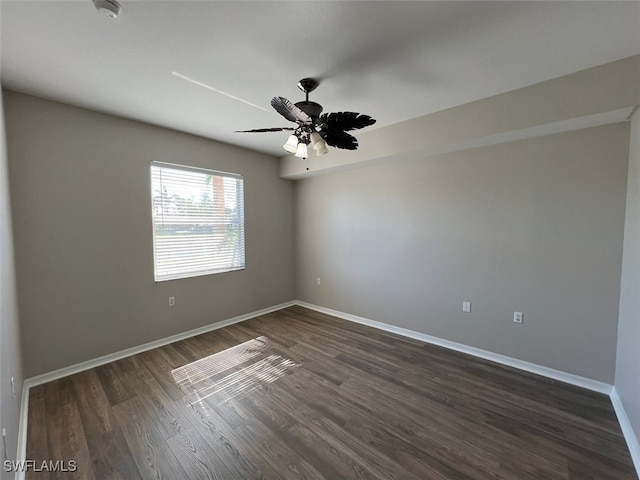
[(315, 138), (321, 148), (301, 150), (319, 145), (291, 145)]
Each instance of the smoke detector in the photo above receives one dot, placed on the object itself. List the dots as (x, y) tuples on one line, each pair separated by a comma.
[(108, 8)]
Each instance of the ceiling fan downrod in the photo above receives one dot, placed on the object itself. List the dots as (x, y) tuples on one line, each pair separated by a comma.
[(308, 85), (312, 109)]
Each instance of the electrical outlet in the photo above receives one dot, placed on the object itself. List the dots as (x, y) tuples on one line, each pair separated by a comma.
[(517, 317), (172, 301), (466, 307), (318, 281)]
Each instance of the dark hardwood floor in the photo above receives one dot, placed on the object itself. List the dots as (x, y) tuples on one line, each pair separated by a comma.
[(300, 395)]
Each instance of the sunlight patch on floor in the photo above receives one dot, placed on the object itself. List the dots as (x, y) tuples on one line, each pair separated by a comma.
[(235, 371)]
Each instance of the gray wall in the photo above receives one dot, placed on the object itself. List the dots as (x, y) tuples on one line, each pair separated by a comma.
[(534, 226), (628, 367), (80, 190), (10, 354)]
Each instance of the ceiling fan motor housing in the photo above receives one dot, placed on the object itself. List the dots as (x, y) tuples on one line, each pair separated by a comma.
[(312, 109)]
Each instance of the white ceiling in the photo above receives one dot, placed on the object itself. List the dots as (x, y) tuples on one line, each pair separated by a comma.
[(392, 60)]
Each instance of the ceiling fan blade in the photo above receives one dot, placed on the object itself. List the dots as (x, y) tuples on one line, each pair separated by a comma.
[(288, 110), (346, 121), (339, 139), (261, 130)]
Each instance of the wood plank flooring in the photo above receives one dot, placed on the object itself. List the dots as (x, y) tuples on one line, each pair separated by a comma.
[(296, 394)]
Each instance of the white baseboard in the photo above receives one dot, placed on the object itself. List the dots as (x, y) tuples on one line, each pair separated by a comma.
[(23, 421), (112, 357), (627, 429), (561, 376), (587, 383), (572, 379)]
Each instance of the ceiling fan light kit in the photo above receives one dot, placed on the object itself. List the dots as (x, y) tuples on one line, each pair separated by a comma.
[(314, 128)]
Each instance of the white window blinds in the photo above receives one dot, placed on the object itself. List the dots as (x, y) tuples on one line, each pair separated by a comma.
[(198, 221)]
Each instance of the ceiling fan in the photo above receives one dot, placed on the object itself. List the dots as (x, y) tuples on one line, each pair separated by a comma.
[(314, 127)]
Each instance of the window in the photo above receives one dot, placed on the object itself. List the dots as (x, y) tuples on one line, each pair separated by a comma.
[(198, 221)]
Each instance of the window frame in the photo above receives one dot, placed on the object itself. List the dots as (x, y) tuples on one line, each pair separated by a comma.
[(240, 202)]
